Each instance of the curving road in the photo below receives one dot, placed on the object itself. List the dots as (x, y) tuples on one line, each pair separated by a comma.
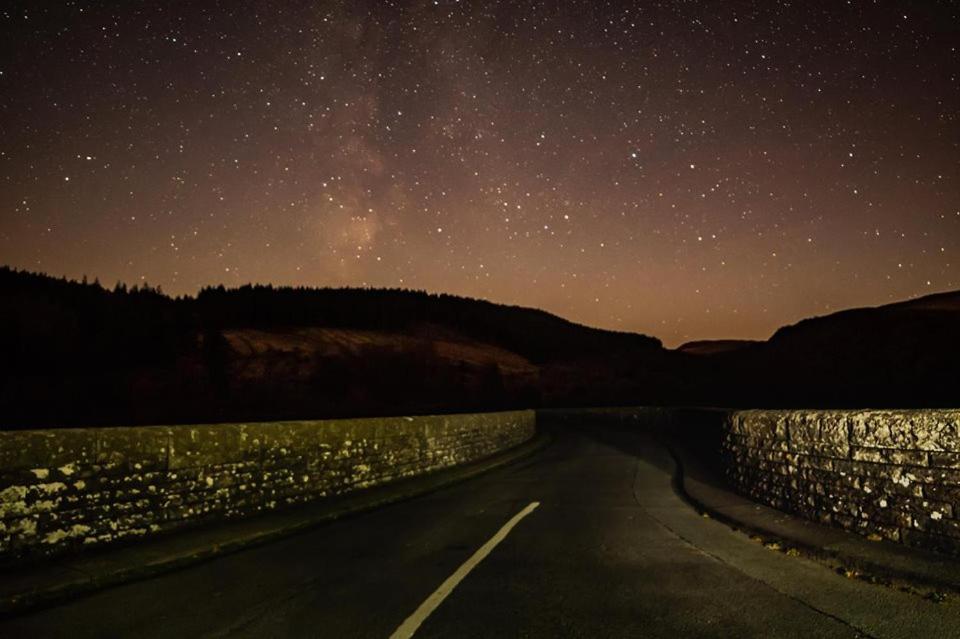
[(585, 539)]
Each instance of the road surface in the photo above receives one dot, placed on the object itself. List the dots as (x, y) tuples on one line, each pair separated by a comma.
[(585, 539)]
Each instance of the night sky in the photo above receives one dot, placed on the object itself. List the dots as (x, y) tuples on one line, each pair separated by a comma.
[(684, 169)]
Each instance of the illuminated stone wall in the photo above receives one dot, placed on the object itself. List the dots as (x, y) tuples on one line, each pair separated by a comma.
[(892, 474), (69, 488)]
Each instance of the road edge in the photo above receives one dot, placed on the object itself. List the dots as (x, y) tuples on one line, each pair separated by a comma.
[(851, 565)]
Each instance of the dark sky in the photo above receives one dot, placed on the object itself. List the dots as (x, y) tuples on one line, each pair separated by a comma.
[(683, 169)]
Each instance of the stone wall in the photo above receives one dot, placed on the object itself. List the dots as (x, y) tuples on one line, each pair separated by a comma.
[(69, 488), (891, 474)]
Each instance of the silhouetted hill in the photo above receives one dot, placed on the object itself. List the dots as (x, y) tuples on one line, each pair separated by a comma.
[(902, 354), (79, 354)]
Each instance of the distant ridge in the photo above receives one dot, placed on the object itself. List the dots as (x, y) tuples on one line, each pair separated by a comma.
[(948, 301), (937, 305), (714, 346), (902, 354)]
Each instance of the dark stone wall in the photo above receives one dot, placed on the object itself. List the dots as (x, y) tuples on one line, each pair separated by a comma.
[(70, 488), (890, 474)]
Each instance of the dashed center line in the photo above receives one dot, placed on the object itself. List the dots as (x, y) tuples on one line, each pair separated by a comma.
[(410, 625)]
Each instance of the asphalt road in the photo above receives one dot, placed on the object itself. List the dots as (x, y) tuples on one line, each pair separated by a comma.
[(610, 551)]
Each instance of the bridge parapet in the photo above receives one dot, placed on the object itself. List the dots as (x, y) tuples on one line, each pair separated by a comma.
[(66, 489)]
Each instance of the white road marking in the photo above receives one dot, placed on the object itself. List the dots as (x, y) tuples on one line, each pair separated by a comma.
[(410, 625)]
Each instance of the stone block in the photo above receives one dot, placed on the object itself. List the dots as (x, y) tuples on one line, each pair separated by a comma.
[(761, 429), (803, 427), (818, 433), (930, 430)]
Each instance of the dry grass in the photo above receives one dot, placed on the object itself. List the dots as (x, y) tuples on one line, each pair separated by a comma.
[(256, 351)]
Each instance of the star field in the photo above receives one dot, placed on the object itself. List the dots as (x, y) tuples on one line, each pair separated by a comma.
[(684, 169)]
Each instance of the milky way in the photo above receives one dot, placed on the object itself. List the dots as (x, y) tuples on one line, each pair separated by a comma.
[(683, 169)]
